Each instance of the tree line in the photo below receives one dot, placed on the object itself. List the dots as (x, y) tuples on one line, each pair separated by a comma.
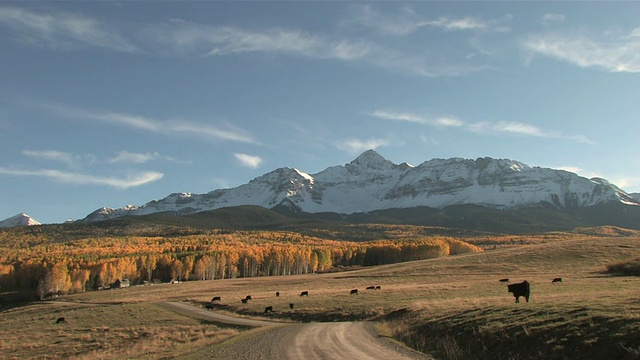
[(96, 263)]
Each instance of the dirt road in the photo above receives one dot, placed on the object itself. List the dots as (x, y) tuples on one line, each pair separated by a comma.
[(293, 341)]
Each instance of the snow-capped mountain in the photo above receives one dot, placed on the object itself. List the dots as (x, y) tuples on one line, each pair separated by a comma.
[(19, 220), (371, 182)]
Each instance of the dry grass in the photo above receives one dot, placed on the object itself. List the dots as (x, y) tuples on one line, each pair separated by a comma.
[(453, 307)]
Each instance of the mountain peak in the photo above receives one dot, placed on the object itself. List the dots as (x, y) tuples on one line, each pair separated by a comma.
[(372, 160), (21, 219)]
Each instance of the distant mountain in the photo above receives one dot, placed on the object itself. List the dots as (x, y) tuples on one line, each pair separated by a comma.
[(372, 183), (19, 220)]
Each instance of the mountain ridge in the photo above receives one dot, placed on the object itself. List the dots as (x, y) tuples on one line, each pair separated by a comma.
[(372, 183)]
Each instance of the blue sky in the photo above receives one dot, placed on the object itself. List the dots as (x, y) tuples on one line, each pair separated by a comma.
[(117, 103)]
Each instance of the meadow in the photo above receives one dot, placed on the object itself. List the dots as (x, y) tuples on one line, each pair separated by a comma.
[(450, 307)]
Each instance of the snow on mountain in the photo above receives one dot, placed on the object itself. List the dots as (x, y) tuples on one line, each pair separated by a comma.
[(371, 182), (19, 220)]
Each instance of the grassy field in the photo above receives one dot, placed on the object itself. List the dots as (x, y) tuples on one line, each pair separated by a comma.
[(453, 308)]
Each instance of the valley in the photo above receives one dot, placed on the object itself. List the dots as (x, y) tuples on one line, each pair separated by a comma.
[(451, 307)]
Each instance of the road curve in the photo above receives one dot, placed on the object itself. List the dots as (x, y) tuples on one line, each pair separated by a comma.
[(216, 317), (294, 341)]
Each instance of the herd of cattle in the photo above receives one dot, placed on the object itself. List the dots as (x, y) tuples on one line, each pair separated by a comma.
[(268, 309), (522, 289)]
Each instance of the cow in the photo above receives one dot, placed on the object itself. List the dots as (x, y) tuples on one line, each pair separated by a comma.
[(370, 288), (268, 309), (216, 298), (291, 306), (277, 293), (520, 289), (505, 280), (378, 287), (556, 280), (354, 291), (248, 297), (61, 320), (304, 293), (244, 301)]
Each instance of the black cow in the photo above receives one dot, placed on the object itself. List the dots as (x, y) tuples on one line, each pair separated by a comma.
[(556, 280), (291, 306), (216, 298), (378, 287), (304, 293), (268, 309), (248, 297), (520, 289), (370, 288), (504, 280), (354, 291), (277, 293), (61, 320), (244, 301)]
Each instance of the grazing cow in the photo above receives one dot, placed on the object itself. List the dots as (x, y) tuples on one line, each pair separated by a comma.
[(370, 288), (61, 320), (304, 293), (378, 287), (248, 297), (291, 306), (268, 309), (504, 280), (216, 298), (354, 291), (277, 293), (244, 301), (520, 289), (556, 280)]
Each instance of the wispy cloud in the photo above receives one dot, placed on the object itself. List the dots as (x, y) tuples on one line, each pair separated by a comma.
[(182, 37), (62, 30), (357, 145), (522, 129), (135, 158), (489, 128), (59, 156), (133, 180), (418, 119), (249, 160), (408, 21), (166, 127), (549, 18), (614, 51)]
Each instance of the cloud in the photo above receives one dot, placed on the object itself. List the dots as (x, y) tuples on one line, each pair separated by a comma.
[(182, 37), (417, 119), (62, 30), (408, 21), (549, 18), (357, 145), (249, 160), (147, 124), (499, 127), (135, 158), (133, 180), (51, 155), (524, 129), (613, 52)]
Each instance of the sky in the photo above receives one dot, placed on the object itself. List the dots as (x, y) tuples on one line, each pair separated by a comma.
[(116, 103)]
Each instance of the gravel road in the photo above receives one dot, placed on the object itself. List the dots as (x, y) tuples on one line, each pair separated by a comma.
[(293, 341)]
